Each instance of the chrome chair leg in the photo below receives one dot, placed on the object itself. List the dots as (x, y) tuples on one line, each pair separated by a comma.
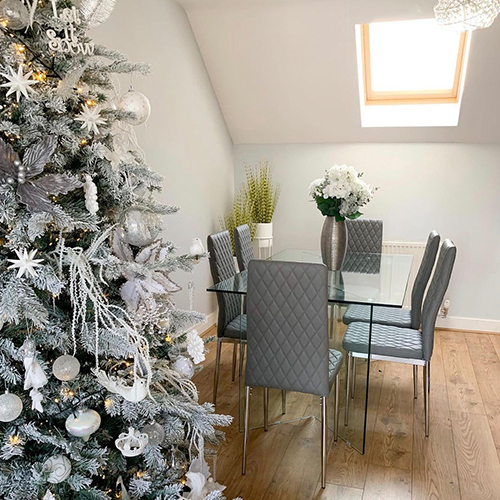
[(266, 409), (235, 350), (332, 316), (347, 388), (217, 369), (283, 402), (245, 429), (353, 377), (336, 411), (324, 434), (415, 381), (427, 390)]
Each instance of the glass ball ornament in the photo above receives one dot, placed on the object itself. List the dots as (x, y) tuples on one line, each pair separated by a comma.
[(66, 368), (83, 424), (59, 468), (184, 367), (137, 103), (14, 14), (141, 227), (155, 432), (11, 407)]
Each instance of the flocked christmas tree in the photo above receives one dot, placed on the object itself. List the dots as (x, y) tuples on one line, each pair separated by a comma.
[(95, 358)]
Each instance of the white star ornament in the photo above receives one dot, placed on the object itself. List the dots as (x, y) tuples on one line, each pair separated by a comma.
[(26, 263)]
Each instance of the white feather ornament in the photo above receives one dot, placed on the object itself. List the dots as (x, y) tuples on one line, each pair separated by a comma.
[(96, 12)]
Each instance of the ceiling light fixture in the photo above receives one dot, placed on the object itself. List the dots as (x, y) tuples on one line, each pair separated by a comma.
[(466, 15)]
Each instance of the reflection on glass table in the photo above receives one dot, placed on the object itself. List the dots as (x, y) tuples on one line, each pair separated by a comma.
[(369, 280)]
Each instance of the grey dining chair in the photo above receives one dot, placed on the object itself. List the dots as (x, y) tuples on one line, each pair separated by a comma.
[(404, 318), (364, 235), (231, 324), (243, 246), (287, 338), (412, 346)]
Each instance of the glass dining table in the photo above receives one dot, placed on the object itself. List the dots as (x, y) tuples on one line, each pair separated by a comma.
[(367, 280)]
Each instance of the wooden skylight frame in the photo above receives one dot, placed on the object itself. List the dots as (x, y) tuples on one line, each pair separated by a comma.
[(434, 96)]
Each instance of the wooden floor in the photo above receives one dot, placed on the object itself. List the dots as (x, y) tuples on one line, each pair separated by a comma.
[(460, 459)]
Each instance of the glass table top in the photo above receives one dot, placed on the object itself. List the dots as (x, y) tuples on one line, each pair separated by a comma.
[(366, 278)]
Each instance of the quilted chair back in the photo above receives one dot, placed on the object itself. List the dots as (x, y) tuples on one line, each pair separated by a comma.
[(222, 267), (243, 246), (287, 326), (423, 275), (364, 236), (435, 295)]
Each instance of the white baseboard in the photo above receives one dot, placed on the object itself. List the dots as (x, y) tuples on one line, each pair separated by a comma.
[(471, 324), (449, 323), (211, 320)]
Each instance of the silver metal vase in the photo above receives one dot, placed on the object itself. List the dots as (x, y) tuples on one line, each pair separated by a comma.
[(333, 243)]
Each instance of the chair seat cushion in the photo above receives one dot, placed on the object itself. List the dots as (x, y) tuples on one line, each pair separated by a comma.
[(238, 324), (381, 315), (335, 359), (386, 340)]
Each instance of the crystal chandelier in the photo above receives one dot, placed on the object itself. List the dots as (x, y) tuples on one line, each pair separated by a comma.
[(467, 15)]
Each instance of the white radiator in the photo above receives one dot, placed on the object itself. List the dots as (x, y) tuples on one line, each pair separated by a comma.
[(407, 248)]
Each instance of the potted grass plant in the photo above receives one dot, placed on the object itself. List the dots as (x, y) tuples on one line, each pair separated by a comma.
[(263, 195), (241, 214)]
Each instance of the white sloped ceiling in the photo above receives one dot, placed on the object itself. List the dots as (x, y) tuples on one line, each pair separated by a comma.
[(285, 71)]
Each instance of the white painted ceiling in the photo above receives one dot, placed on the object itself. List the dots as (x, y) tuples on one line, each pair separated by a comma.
[(285, 71)]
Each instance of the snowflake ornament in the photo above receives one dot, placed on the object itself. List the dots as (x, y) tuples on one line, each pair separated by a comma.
[(26, 263), (90, 118), (19, 83)]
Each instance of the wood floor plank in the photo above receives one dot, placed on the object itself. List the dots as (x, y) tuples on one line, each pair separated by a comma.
[(335, 492), (387, 483), (486, 365), (346, 466), (393, 433), (463, 391), (495, 340), (477, 459), (297, 479), (434, 469)]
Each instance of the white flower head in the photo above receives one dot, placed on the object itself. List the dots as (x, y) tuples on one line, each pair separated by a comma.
[(342, 182)]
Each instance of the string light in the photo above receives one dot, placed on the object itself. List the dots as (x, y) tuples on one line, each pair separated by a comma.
[(90, 102), (108, 403), (168, 339), (14, 440), (83, 142)]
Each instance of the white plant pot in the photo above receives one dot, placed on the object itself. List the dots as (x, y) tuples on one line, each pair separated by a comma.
[(264, 231), (263, 240)]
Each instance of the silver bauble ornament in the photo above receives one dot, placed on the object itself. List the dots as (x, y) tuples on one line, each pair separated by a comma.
[(66, 368), (59, 467), (85, 423), (155, 432), (11, 407), (141, 227), (184, 367), (137, 103), (14, 14)]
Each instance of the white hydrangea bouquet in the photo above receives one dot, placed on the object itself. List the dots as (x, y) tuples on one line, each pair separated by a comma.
[(341, 193)]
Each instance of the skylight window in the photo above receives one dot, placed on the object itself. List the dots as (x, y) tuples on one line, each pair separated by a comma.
[(412, 71)]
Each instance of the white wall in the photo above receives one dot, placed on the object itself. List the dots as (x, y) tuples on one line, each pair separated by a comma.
[(453, 188), (186, 139)]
